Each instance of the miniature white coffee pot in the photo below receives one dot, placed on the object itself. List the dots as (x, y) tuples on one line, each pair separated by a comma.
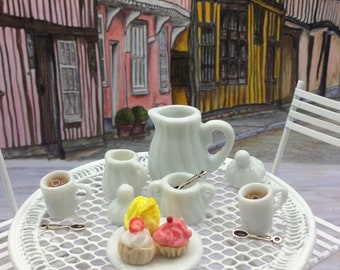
[(245, 169)]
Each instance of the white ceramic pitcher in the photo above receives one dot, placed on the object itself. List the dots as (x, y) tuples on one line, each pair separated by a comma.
[(181, 140)]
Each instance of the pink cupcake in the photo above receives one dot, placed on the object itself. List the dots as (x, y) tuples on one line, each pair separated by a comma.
[(172, 238)]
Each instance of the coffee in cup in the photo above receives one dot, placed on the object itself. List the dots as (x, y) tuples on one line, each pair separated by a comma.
[(255, 195), (57, 181)]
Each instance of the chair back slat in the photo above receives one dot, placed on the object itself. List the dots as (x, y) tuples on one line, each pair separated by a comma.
[(313, 133), (4, 234), (7, 184), (4, 254), (305, 107), (314, 116), (333, 104), (311, 115), (317, 117), (5, 260), (294, 115)]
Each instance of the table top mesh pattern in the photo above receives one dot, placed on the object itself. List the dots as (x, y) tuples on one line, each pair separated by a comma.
[(65, 249)]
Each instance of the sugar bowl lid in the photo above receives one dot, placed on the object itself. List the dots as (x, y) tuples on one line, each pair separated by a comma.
[(244, 169)]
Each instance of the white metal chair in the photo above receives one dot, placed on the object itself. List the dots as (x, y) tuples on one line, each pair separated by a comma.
[(317, 117), (5, 261)]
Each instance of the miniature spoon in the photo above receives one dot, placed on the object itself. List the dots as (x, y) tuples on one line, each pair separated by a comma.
[(191, 180), (74, 227), (244, 234)]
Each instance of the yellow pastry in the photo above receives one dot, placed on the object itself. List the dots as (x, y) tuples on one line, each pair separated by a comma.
[(145, 208)]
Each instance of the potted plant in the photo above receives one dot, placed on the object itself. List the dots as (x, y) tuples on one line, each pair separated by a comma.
[(141, 115), (124, 120)]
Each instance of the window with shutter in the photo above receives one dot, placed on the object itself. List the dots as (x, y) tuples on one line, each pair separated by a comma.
[(206, 47), (101, 47), (164, 61), (233, 41), (139, 71), (69, 80)]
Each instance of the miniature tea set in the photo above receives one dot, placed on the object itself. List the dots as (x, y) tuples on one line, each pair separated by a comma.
[(178, 166)]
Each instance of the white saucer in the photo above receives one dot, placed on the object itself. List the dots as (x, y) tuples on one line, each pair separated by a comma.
[(187, 261)]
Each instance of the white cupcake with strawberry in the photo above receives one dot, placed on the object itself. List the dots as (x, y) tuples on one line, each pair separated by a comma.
[(135, 245)]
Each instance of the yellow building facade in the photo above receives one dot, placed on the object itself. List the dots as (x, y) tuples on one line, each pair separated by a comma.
[(233, 53)]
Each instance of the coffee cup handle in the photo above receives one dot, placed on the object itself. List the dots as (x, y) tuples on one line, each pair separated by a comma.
[(229, 135), (208, 192), (155, 189), (280, 201), (88, 191)]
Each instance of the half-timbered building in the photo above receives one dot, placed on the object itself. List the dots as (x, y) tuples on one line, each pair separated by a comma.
[(49, 76), (311, 46), (234, 54), (244, 53)]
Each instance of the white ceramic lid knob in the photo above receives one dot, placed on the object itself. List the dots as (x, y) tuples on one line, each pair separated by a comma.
[(125, 193), (119, 206), (242, 158)]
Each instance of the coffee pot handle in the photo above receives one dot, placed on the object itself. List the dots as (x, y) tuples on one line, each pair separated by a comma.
[(216, 159), (88, 191), (280, 201), (140, 172), (208, 192), (155, 189)]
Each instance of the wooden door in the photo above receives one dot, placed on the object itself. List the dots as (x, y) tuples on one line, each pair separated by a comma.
[(288, 68), (47, 95), (289, 62)]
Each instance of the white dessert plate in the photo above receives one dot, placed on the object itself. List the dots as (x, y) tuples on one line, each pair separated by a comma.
[(187, 261)]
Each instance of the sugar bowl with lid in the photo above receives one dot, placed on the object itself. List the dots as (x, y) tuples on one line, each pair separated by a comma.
[(245, 169)]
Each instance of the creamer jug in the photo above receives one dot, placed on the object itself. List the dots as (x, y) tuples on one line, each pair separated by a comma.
[(181, 140)]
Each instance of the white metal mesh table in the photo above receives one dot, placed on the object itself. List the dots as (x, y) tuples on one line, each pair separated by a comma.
[(33, 248)]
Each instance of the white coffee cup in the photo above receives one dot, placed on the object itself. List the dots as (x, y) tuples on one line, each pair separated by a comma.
[(60, 193), (190, 203), (122, 166), (257, 204)]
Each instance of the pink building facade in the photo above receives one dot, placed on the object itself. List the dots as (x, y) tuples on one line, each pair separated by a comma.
[(49, 76), (136, 39)]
